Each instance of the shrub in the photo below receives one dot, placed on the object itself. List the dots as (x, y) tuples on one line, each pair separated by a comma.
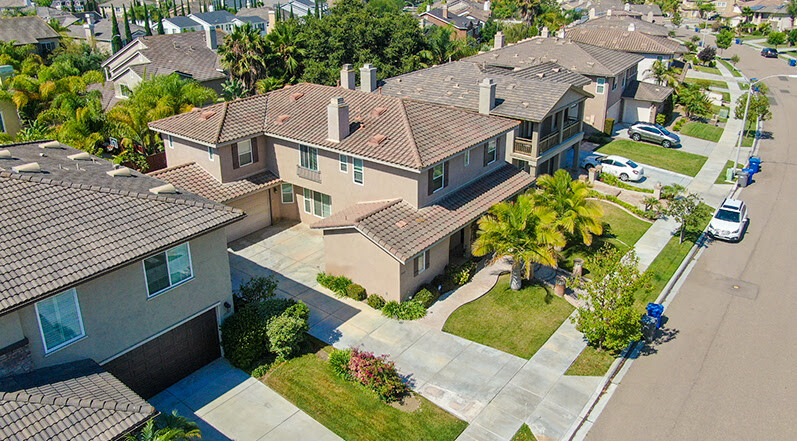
[(410, 310), (424, 297), (776, 38), (273, 307), (356, 292), (256, 289), (460, 275), (375, 301), (339, 361), (261, 371), (244, 337), (608, 126), (616, 182), (707, 54), (299, 311), (391, 309), (336, 284), (325, 279), (661, 119), (377, 373), (285, 334)]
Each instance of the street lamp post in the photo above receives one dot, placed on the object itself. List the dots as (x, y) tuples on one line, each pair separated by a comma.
[(751, 83)]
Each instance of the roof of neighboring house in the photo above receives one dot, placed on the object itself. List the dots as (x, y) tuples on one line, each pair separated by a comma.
[(72, 221), (196, 179), (627, 41), (617, 7), (577, 57), (467, 7), (108, 94), (622, 23), (642, 91), (103, 29), (404, 231), (457, 84), (547, 71), (182, 22), (185, 52), (25, 30), (261, 12), (463, 22), (398, 131), (120, 3), (14, 4), (75, 401), (214, 17), (252, 19)]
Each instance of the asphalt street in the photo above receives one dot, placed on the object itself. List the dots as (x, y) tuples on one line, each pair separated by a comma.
[(724, 367)]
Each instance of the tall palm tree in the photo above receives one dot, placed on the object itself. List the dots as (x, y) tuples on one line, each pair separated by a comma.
[(663, 74), (443, 47), (576, 215), (791, 9), (286, 43), (523, 231), (245, 54)]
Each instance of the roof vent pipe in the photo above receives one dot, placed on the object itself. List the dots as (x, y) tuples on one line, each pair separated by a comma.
[(631, 27), (368, 78), (337, 120), (347, 77), (486, 96)]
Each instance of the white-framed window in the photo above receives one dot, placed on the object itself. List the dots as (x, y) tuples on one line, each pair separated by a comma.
[(245, 153), (308, 157), (60, 322), (211, 153), (170, 141), (124, 90), (167, 269), (467, 158), (421, 263), (438, 177), (358, 171), (287, 193), (317, 203), (2, 124), (614, 83), (492, 151), (601, 86), (344, 163), (625, 80)]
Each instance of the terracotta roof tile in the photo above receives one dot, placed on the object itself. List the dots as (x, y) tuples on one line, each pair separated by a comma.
[(647, 92), (626, 41), (195, 179)]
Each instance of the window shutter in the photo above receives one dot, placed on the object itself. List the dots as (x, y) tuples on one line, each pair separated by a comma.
[(254, 150), (414, 267), (235, 163), (484, 155), (430, 184), (445, 174)]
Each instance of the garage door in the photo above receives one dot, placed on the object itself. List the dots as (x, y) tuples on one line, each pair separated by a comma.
[(165, 360), (614, 111), (258, 215), (636, 111)]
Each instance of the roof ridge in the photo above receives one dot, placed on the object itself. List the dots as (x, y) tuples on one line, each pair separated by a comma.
[(86, 403), (387, 204), (106, 190), (168, 169), (414, 147), (221, 122)]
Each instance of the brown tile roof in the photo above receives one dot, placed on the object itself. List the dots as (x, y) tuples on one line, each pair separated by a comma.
[(404, 231), (25, 30), (352, 215), (72, 401), (461, 22), (457, 84), (626, 41), (621, 23), (60, 227), (547, 72), (412, 130), (577, 57), (195, 179), (647, 92)]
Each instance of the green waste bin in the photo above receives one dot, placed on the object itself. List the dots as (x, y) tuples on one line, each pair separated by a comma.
[(729, 174)]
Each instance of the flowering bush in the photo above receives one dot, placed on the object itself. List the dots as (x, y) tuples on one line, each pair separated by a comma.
[(377, 373)]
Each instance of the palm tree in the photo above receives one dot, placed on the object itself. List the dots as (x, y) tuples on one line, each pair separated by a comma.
[(286, 43), (443, 47), (791, 9), (663, 74), (523, 231), (268, 84), (576, 215), (171, 427), (245, 55), (529, 10)]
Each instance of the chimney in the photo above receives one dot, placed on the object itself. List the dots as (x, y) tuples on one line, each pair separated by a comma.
[(499, 40), (368, 78), (627, 7), (211, 7), (592, 13), (486, 96), (631, 27), (272, 20), (487, 5), (544, 32), (445, 10), (609, 13), (561, 33), (649, 16), (347, 80), (337, 120), (210, 38), (89, 28)]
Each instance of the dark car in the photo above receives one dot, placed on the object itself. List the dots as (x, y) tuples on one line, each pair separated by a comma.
[(769, 52)]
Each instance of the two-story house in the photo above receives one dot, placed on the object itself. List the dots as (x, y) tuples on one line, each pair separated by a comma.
[(29, 30), (178, 24), (464, 24), (395, 184), (103, 263), (546, 98), (609, 71)]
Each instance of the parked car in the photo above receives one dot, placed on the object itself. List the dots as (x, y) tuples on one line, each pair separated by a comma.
[(623, 168), (768, 52), (654, 133), (729, 220)]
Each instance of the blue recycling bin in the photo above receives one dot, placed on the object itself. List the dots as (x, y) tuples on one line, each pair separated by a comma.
[(754, 164), (792, 62), (655, 311), (697, 29), (738, 41)]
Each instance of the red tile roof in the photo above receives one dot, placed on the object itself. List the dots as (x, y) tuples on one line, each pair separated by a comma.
[(192, 177)]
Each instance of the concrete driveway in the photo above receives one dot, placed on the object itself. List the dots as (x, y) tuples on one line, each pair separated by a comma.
[(228, 405)]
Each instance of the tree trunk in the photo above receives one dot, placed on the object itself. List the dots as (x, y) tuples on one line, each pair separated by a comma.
[(517, 275), (683, 230)]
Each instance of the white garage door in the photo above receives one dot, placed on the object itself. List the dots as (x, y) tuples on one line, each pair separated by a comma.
[(258, 215), (636, 111), (614, 111)]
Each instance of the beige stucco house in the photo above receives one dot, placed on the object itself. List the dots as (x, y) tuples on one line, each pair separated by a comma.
[(395, 184), (107, 264)]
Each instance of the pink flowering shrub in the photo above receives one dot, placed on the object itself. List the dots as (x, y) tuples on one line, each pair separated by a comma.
[(377, 373)]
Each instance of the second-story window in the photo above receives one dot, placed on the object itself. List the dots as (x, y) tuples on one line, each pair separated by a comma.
[(601, 86), (211, 153), (438, 177), (357, 170), (344, 163), (308, 157), (614, 83), (245, 153), (467, 158), (170, 141), (490, 152), (167, 269)]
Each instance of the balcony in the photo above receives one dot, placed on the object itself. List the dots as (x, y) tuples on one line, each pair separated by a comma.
[(548, 142), (527, 147), (310, 175), (570, 130)]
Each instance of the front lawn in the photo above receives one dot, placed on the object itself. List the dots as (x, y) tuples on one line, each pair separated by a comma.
[(524, 434), (517, 322), (702, 130), (708, 70), (726, 96), (352, 411), (707, 83), (674, 160), (731, 68), (592, 362), (721, 177)]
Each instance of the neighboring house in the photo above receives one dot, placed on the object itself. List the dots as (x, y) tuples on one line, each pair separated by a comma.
[(609, 71), (594, 8), (190, 55), (99, 32), (622, 23), (767, 11), (119, 5), (547, 99), (395, 184), (642, 101), (176, 25), (222, 20), (300, 8), (64, 18), (15, 5), (465, 25), (652, 47), (103, 263), (69, 5), (477, 9), (29, 30), (266, 14)]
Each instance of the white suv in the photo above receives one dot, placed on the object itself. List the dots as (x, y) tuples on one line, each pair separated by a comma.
[(729, 220), (623, 168)]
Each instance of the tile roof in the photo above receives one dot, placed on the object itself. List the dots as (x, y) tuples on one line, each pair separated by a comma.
[(577, 57), (72, 401), (261, 12), (547, 71), (13, 4), (352, 215), (72, 221), (182, 21), (214, 17), (463, 22), (626, 41), (195, 179), (617, 7), (457, 84), (103, 29), (642, 91), (404, 231), (621, 22), (25, 30), (412, 129)]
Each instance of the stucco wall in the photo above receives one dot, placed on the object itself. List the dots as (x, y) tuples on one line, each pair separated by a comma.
[(10, 329), (117, 314), (184, 151), (369, 265), (438, 259), (228, 173), (258, 214), (645, 66), (10, 117)]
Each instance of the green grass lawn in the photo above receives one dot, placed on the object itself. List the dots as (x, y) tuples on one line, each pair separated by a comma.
[(709, 70), (721, 177), (352, 411), (735, 72), (744, 86), (524, 434), (726, 96), (749, 134), (517, 322), (592, 362), (708, 83), (674, 160), (702, 130)]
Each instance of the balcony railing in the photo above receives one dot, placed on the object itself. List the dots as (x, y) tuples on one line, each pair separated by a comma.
[(524, 146), (306, 173), (548, 142), (570, 130)]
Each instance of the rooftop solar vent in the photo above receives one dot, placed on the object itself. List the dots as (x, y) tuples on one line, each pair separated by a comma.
[(31, 167), (378, 111), (281, 119), (204, 116), (296, 96), (376, 139)]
